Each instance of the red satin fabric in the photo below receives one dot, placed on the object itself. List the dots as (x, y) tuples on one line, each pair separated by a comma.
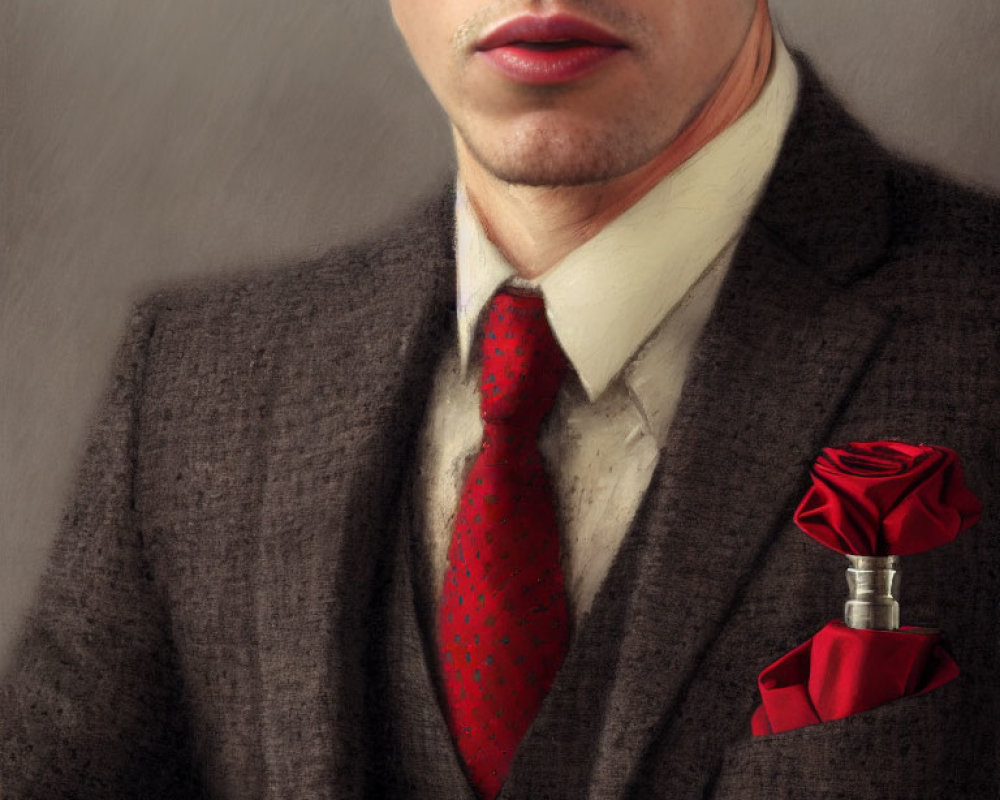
[(842, 671), (886, 498)]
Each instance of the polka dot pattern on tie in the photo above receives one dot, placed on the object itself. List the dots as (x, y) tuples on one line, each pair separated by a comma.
[(503, 620)]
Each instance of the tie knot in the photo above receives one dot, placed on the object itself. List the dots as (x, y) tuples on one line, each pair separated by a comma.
[(523, 364)]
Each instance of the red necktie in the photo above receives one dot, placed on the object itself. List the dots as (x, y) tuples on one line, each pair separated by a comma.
[(503, 620)]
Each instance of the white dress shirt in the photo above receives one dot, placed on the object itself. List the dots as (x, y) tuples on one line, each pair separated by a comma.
[(627, 307)]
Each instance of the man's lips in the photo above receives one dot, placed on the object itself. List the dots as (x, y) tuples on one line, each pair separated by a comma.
[(559, 28), (548, 50)]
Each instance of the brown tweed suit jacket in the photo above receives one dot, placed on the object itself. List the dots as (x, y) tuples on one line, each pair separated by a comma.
[(234, 607)]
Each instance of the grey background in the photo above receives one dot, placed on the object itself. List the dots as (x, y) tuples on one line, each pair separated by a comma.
[(144, 141)]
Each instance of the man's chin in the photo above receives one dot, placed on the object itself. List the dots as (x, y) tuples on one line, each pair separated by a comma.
[(553, 173), (554, 164)]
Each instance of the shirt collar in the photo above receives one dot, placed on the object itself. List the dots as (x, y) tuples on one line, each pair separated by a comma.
[(606, 298)]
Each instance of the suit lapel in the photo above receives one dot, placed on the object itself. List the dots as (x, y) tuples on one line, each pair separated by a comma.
[(350, 373), (779, 356), (787, 342)]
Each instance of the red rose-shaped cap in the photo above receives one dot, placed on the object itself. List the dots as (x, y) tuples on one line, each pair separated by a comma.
[(886, 499)]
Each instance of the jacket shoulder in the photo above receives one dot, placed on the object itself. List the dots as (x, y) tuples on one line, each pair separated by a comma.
[(347, 277), (936, 216)]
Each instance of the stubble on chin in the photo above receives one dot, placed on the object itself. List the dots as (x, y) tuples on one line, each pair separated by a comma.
[(548, 157)]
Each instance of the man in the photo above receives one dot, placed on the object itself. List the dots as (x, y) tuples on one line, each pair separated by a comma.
[(260, 588)]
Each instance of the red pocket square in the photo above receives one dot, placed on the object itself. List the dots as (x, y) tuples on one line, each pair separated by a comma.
[(842, 671)]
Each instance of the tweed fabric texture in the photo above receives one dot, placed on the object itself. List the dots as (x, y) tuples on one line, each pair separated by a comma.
[(233, 608)]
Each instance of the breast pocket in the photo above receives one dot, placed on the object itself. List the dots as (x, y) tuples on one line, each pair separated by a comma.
[(916, 748)]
